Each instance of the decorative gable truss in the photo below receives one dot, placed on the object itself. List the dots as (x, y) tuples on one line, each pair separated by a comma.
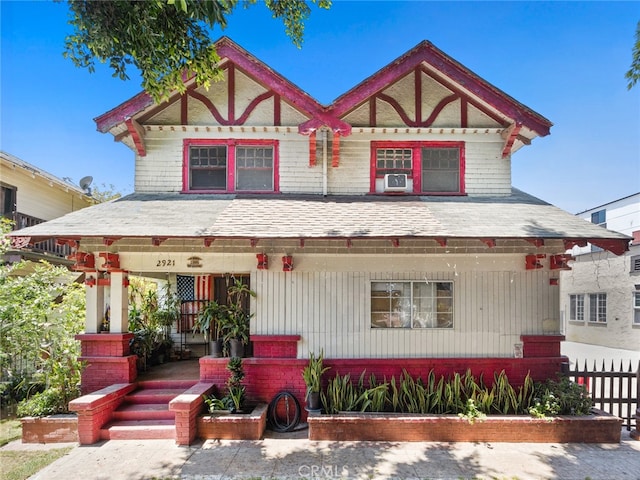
[(423, 89)]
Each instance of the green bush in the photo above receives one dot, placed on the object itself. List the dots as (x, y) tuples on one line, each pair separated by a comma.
[(560, 397), (49, 402)]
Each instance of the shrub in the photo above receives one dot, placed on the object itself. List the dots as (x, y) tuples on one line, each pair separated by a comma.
[(49, 402), (560, 397)]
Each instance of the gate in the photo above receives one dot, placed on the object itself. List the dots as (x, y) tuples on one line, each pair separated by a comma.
[(612, 391)]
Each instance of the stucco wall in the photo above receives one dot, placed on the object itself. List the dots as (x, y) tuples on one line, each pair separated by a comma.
[(603, 272)]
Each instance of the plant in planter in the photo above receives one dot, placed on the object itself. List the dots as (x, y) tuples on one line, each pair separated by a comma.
[(235, 324), (312, 376), (234, 400), (210, 320)]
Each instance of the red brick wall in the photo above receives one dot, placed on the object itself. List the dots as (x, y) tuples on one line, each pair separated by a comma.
[(265, 377), (275, 346), (54, 429), (407, 428), (100, 372)]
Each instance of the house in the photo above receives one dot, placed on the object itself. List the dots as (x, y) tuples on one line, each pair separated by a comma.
[(600, 295), (31, 196), (382, 229)]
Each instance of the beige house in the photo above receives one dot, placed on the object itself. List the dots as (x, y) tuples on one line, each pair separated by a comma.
[(31, 196), (382, 229)]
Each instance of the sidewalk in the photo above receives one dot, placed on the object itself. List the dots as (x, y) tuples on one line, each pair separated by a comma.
[(278, 457)]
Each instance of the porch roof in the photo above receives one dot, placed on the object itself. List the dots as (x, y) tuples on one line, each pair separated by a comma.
[(175, 215)]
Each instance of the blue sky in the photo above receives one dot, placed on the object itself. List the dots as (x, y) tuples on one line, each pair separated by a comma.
[(565, 60)]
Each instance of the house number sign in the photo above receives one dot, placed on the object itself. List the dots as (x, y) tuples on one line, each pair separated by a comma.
[(169, 262)]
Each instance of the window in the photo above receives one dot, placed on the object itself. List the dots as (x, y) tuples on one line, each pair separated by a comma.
[(417, 304), (635, 264), (8, 198), (598, 307), (636, 308), (599, 218), (431, 167), (576, 308), (231, 166)]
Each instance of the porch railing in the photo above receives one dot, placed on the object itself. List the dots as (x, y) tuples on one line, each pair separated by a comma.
[(613, 390), (49, 247)]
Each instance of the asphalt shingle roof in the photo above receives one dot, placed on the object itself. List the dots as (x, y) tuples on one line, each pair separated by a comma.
[(518, 215)]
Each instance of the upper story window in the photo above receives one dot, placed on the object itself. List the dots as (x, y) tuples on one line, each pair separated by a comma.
[(231, 165), (430, 167), (8, 199), (576, 308), (599, 218), (636, 308)]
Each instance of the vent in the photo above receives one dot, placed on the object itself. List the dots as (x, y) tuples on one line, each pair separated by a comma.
[(395, 182), (635, 264)]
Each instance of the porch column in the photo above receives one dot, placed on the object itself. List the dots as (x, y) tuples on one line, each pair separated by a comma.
[(94, 295), (119, 322)]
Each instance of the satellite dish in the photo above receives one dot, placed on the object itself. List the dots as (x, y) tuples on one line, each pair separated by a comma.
[(85, 184)]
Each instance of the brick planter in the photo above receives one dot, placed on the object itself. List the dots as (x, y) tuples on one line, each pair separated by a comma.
[(597, 428), (234, 426), (51, 429)]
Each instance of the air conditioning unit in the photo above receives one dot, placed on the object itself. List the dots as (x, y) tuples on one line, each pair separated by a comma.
[(395, 182)]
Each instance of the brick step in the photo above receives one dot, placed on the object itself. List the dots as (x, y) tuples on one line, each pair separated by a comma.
[(139, 430), (160, 384), (143, 411), (154, 395)]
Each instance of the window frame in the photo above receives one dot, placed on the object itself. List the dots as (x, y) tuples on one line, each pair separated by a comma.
[(635, 318), (599, 307), (410, 284), (416, 167), (576, 308), (231, 171)]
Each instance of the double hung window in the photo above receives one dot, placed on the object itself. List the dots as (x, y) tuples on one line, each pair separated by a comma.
[(576, 308), (231, 166), (407, 304), (431, 167), (598, 307)]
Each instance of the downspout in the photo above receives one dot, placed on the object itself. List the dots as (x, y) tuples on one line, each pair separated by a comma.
[(324, 161)]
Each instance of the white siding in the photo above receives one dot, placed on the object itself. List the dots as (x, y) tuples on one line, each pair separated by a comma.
[(330, 308)]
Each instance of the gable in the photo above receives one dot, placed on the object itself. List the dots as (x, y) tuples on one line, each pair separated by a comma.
[(424, 88)]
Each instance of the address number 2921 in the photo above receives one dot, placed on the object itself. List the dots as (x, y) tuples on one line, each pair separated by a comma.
[(166, 263)]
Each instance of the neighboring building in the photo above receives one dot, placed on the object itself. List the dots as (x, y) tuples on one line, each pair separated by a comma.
[(382, 229), (31, 196), (600, 295)]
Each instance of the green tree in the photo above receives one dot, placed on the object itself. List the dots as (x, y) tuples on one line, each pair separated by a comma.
[(633, 74), (104, 193), (164, 39), (40, 313)]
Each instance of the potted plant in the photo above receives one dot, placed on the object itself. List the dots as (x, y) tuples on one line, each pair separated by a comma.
[(212, 318), (312, 375), (235, 324)]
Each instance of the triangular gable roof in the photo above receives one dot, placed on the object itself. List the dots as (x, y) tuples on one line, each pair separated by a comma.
[(426, 52), (230, 52)]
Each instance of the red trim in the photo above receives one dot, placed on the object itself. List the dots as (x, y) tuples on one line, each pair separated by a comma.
[(415, 146), (335, 150), (277, 110), (231, 152), (210, 106), (372, 111), (312, 149), (231, 94), (427, 52), (137, 135), (617, 247), (184, 110), (417, 79), (464, 120), (251, 107), (512, 134), (538, 242)]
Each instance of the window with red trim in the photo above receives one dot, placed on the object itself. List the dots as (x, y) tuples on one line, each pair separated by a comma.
[(431, 167), (231, 165)]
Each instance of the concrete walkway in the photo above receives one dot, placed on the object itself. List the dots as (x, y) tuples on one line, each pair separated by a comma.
[(280, 457)]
